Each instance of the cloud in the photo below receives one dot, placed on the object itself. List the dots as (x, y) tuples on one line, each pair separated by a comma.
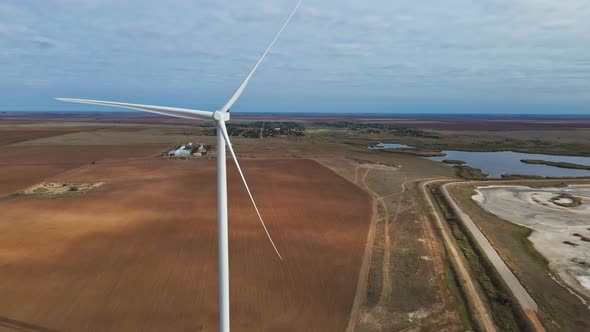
[(43, 42), (11, 11), (511, 49)]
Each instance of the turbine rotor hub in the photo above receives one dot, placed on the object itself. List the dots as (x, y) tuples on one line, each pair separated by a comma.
[(220, 116)]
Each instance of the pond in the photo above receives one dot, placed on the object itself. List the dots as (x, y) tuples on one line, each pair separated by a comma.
[(496, 164), (389, 146)]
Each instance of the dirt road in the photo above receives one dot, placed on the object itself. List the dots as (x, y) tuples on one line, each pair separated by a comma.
[(475, 298), (399, 230), (518, 291)]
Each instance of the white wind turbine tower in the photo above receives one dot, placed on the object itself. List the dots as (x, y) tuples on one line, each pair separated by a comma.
[(219, 117)]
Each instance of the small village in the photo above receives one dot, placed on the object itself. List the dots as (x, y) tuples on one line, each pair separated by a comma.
[(263, 129)]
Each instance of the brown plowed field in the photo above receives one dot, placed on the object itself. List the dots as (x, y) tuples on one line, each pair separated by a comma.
[(14, 178), (141, 253), (10, 136), (64, 154)]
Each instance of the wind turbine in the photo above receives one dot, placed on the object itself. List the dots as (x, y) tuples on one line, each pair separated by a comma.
[(219, 117)]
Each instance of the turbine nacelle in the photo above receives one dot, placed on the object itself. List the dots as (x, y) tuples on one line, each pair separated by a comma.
[(221, 116)]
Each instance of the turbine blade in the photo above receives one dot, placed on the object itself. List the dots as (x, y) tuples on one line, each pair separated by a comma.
[(238, 92), (170, 111), (221, 127)]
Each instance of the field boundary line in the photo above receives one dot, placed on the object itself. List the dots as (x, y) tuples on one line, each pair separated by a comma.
[(361, 287)]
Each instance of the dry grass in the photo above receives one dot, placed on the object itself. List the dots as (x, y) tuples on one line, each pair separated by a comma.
[(10, 135)]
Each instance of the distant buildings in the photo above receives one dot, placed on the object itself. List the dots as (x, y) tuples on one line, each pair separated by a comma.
[(188, 150), (263, 129), (179, 153)]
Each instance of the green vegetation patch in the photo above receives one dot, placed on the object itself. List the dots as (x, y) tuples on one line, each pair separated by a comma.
[(470, 173), (571, 200), (378, 128), (260, 129)]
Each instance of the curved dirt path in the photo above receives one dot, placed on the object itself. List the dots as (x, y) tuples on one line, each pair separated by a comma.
[(474, 297), (378, 200), (390, 218)]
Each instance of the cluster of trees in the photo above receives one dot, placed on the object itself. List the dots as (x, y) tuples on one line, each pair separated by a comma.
[(377, 128), (261, 129)]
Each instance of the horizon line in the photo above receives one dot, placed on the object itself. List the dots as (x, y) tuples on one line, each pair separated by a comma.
[(311, 113)]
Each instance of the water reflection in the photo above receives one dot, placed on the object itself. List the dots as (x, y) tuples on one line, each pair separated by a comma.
[(389, 146), (496, 164)]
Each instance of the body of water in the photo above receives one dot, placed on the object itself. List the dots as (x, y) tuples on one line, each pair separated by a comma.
[(389, 146), (496, 164)]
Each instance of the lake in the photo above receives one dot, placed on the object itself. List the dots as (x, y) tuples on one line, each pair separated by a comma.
[(389, 146), (496, 164)]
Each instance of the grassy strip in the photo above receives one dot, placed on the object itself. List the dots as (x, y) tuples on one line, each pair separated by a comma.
[(375, 278), (450, 278), (521, 234), (555, 163), (453, 162), (470, 173), (452, 285), (499, 298)]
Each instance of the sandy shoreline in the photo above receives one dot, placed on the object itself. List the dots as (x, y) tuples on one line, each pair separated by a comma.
[(560, 233)]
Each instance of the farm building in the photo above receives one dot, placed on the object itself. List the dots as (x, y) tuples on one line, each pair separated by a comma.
[(188, 150)]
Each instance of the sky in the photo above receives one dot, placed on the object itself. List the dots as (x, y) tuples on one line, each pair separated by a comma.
[(373, 56)]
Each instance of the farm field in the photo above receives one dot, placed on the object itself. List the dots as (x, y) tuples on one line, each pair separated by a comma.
[(141, 252)]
